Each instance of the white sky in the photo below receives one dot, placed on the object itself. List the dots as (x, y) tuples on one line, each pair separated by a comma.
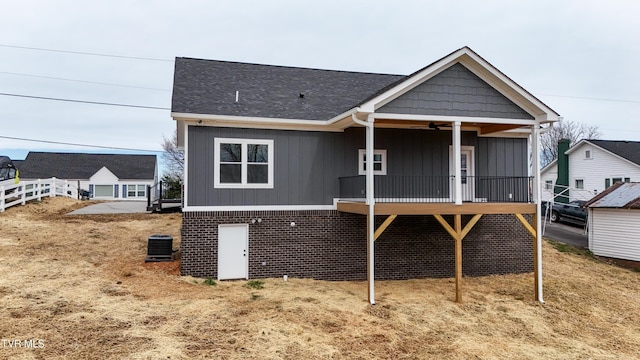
[(579, 57)]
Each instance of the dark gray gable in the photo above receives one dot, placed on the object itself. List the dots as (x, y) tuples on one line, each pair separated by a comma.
[(42, 165), (455, 91), (209, 87), (629, 150)]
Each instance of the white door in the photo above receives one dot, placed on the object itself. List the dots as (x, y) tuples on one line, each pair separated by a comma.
[(466, 172), (233, 243)]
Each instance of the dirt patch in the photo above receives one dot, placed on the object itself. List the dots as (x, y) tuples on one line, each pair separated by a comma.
[(80, 284)]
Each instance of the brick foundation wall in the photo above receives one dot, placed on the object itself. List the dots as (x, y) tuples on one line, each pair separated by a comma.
[(331, 245)]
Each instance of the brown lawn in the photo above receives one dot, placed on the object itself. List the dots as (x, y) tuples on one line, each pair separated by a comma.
[(79, 288)]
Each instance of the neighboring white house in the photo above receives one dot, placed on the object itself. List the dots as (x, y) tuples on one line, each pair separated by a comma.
[(595, 165), (614, 222), (105, 176)]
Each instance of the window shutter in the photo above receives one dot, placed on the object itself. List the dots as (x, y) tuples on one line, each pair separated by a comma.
[(90, 190), (124, 191), (115, 191), (607, 183)]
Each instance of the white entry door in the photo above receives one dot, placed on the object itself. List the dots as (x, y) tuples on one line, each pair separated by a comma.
[(466, 172), (233, 243)]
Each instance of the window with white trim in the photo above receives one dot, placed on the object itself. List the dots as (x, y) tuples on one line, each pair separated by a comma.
[(587, 154), (379, 162), (548, 184), (136, 190), (579, 183), (243, 163)]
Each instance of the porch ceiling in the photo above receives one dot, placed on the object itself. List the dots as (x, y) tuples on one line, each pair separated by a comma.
[(437, 208), (482, 127)]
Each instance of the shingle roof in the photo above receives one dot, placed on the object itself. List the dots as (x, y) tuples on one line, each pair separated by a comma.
[(209, 87), (629, 150), (78, 166)]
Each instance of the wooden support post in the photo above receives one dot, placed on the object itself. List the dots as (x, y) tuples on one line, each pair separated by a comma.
[(458, 234)]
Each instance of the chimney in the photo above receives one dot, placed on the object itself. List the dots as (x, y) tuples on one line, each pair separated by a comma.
[(562, 183)]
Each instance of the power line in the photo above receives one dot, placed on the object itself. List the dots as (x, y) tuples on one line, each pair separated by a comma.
[(86, 102), (85, 53), (74, 144), (590, 98), (82, 81)]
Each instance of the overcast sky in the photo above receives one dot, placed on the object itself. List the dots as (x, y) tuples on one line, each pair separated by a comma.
[(579, 57)]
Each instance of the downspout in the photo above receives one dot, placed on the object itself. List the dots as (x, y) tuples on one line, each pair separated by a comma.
[(370, 200), (538, 200)]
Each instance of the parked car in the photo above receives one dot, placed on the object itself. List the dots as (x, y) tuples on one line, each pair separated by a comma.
[(573, 212)]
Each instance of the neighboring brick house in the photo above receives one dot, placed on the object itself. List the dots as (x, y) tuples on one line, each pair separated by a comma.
[(105, 176), (594, 166), (277, 180)]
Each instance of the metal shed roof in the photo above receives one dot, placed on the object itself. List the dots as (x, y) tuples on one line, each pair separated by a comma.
[(621, 195)]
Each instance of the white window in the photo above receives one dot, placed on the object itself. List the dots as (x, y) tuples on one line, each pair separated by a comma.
[(103, 191), (379, 162), (587, 154), (136, 190), (579, 184), (243, 163), (548, 184)]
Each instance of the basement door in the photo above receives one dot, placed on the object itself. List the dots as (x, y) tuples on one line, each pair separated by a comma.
[(233, 243)]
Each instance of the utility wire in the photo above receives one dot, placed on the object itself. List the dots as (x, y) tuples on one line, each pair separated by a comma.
[(86, 102), (82, 81), (85, 53), (590, 98), (74, 144)]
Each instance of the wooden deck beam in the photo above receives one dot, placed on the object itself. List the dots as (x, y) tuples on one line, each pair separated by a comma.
[(383, 208)]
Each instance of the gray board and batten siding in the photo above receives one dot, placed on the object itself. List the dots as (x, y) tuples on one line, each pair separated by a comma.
[(308, 164), (455, 91)]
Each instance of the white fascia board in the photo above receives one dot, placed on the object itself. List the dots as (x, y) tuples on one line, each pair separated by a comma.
[(260, 208), (452, 119), (254, 122), (498, 81), (410, 83), (579, 144)]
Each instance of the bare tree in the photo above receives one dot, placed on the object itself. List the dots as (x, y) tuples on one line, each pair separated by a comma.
[(566, 129), (173, 156)]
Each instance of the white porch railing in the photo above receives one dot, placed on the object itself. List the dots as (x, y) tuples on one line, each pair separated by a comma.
[(13, 194)]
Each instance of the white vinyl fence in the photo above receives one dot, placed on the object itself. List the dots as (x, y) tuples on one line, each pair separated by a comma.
[(13, 194)]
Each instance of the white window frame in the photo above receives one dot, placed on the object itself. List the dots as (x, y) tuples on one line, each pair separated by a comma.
[(548, 184), (383, 161), (243, 172), (135, 188), (576, 184)]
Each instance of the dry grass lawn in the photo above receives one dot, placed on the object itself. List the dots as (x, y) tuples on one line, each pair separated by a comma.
[(79, 284)]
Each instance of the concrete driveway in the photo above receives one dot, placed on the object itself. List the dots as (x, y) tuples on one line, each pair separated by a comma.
[(566, 234), (115, 207)]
